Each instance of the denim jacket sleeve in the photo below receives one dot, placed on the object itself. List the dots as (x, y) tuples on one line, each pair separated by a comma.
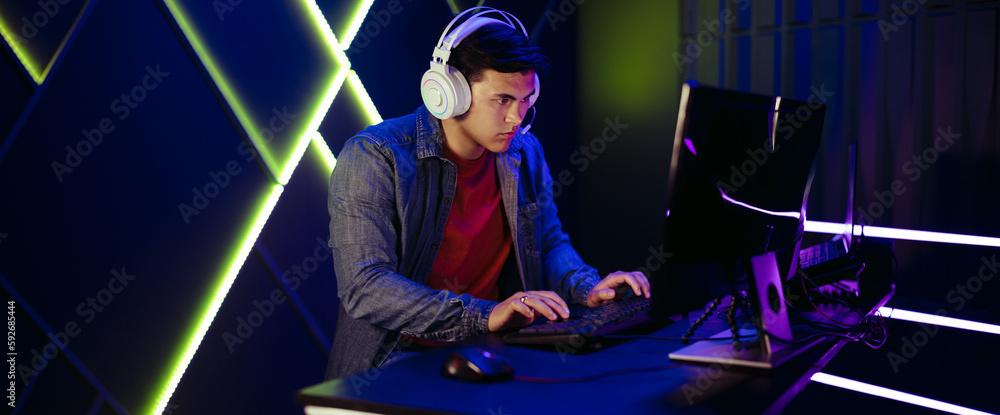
[(366, 227), (563, 270)]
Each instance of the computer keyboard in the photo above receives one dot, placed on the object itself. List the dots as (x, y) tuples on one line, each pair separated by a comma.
[(587, 325)]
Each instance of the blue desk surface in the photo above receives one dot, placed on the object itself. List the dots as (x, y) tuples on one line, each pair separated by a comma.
[(634, 376)]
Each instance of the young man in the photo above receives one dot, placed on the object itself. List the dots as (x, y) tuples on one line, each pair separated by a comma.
[(445, 228)]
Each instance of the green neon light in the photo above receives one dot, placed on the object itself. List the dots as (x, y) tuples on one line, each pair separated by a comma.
[(359, 18), (220, 296), (14, 41), (300, 151), (331, 93), (228, 91), (456, 10), (324, 151), (366, 101), (331, 39), (310, 135), (318, 115)]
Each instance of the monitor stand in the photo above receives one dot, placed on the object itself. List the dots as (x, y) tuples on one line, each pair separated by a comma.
[(762, 352)]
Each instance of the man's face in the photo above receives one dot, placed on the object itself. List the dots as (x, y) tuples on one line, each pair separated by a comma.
[(499, 103)]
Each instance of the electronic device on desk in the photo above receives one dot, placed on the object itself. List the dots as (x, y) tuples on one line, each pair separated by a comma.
[(836, 266), (739, 175), (586, 328)]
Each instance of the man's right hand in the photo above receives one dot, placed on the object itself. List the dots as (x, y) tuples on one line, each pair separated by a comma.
[(523, 307)]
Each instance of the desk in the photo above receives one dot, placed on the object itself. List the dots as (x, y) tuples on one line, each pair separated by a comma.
[(641, 379)]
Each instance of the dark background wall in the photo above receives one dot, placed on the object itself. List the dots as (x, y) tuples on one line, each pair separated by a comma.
[(164, 161)]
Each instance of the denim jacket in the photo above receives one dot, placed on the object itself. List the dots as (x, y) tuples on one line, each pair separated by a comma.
[(389, 199)]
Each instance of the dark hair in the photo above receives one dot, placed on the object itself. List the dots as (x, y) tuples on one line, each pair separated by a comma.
[(497, 47)]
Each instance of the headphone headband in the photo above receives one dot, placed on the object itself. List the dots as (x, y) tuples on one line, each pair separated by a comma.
[(451, 38), (444, 89)]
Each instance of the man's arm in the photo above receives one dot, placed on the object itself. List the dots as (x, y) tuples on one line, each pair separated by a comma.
[(364, 227)]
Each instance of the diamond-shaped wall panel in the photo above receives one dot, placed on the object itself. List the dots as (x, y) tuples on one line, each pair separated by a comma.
[(273, 88), (36, 30)]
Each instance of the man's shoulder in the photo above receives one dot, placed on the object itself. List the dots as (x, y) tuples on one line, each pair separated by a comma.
[(399, 130)]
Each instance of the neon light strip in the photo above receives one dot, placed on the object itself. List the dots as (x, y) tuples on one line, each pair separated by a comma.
[(331, 39), (938, 320), (331, 93), (352, 30), (454, 7), (927, 236), (824, 227), (324, 150), (228, 92), (366, 100), (324, 106), (14, 41), (905, 234), (311, 135), (895, 395), (220, 296), (794, 215)]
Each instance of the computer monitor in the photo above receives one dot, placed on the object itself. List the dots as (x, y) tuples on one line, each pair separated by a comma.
[(739, 173)]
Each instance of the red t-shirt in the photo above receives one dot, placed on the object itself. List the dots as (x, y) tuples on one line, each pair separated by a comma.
[(476, 238)]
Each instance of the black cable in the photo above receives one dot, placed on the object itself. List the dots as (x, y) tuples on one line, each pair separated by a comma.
[(704, 316)]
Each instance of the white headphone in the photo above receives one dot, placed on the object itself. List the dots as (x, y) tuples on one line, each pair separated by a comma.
[(444, 89)]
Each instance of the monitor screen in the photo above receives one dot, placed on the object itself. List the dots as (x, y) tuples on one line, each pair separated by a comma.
[(739, 174)]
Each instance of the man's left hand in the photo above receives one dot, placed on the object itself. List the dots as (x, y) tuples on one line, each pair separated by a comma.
[(604, 291)]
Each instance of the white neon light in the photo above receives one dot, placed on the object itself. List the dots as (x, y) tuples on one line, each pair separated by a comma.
[(824, 227), (905, 234), (927, 236), (937, 320), (895, 395), (795, 215)]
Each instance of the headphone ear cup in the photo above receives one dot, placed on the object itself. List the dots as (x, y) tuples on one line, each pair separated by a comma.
[(463, 92), (438, 93), (445, 93)]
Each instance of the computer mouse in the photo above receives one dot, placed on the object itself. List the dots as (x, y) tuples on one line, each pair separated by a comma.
[(475, 364)]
